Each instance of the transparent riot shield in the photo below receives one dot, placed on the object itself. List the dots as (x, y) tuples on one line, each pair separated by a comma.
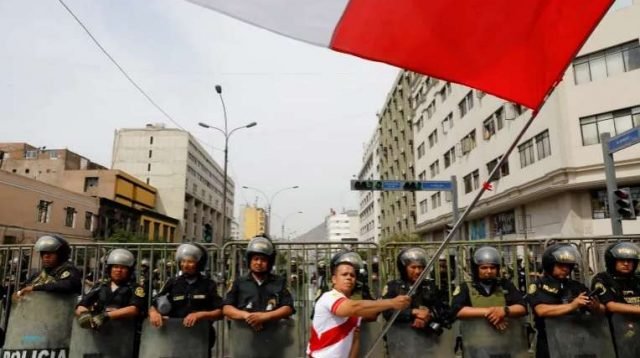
[(579, 335), (626, 335), (369, 331), (40, 322), (175, 340), (406, 342), (276, 340), (481, 340), (114, 340)]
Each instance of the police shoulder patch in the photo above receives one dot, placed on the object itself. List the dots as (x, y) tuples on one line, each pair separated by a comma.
[(139, 292), (532, 289), (456, 291), (65, 274)]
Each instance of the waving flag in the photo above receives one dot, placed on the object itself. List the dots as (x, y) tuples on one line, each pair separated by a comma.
[(513, 49)]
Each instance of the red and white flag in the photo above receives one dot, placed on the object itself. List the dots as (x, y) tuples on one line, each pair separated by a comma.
[(513, 49)]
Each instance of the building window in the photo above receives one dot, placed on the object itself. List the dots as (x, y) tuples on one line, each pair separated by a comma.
[(476, 178), (504, 223), (468, 142), (431, 109), (477, 230), (422, 175), (421, 150), (151, 140), (488, 128), (419, 123), (148, 180), (53, 154), (423, 206), (468, 184), (613, 123), (433, 138), (31, 154), (434, 168), (466, 104), (543, 145), (436, 200), (445, 91), (44, 211), (447, 123), (90, 183), (70, 217), (88, 221), (149, 167), (450, 157), (526, 153), (608, 62), (504, 169), (150, 153)]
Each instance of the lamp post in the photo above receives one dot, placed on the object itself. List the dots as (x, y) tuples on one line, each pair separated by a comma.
[(285, 220), (270, 201), (227, 134)]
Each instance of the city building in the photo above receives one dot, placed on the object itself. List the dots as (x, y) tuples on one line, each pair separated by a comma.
[(344, 226), (553, 183), (188, 180), (253, 221), (234, 230), (32, 208), (395, 135), (370, 200)]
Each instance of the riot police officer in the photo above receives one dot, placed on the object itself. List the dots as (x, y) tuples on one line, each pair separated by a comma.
[(190, 296), (58, 275), (488, 295), (259, 297), (555, 293), (428, 303), (119, 298), (618, 287)]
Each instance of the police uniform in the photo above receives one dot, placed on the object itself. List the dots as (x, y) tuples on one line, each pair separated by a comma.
[(103, 299), (427, 295), (186, 297), (551, 291), (248, 295), (617, 289), (474, 294), (65, 278)]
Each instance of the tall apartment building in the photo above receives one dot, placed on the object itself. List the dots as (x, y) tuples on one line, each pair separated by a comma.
[(395, 132), (344, 226), (188, 180), (553, 183), (370, 200), (254, 221)]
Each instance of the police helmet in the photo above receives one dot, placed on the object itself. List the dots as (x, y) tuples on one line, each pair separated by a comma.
[(145, 262), (408, 256), (54, 243), (121, 257), (194, 251), (261, 245), (621, 251), (486, 255), (559, 254), (347, 257)]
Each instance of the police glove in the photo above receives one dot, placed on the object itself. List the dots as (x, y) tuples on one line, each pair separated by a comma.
[(84, 320), (99, 320)]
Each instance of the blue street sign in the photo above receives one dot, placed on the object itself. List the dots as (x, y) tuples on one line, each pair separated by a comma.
[(402, 185), (436, 185), (624, 140), (392, 184)]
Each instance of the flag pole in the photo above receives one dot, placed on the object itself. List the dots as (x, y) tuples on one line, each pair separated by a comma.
[(461, 219)]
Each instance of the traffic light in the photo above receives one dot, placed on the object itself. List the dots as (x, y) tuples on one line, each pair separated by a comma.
[(207, 233), (625, 204), (366, 185)]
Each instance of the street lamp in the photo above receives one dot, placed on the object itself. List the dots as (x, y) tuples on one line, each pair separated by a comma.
[(270, 201), (285, 220), (227, 134)]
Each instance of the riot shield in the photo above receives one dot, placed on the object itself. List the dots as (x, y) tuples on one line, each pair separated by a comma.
[(40, 322), (626, 335), (405, 342), (481, 340), (276, 340), (175, 340), (369, 331), (114, 340), (579, 335)]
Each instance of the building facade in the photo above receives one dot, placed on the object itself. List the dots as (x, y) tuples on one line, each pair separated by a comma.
[(32, 208), (344, 226), (253, 221), (370, 200), (553, 183), (395, 133), (188, 180)]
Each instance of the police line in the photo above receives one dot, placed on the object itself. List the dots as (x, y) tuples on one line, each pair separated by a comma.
[(302, 264)]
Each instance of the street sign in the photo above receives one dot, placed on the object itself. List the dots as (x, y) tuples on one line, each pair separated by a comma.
[(624, 140), (402, 185)]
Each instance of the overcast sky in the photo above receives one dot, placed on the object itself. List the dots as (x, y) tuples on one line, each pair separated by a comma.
[(315, 108)]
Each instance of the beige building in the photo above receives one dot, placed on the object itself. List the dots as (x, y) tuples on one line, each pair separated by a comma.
[(553, 183), (369, 212), (31, 208), (395, 133), (253, 221), (188, 180)]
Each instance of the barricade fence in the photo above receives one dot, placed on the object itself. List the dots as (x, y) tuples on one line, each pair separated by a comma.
[(306, 267)]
